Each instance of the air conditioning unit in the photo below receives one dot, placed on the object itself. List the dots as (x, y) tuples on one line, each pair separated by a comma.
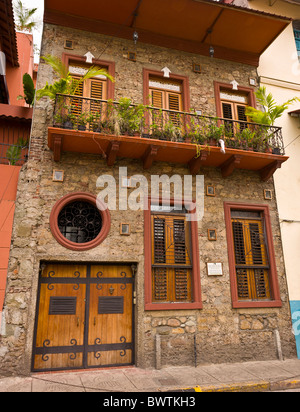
[(2, 64)]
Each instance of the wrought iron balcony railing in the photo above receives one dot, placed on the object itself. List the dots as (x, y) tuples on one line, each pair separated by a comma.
[(123, 118)]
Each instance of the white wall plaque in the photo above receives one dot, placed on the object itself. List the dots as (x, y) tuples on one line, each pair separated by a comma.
[(215, 269)]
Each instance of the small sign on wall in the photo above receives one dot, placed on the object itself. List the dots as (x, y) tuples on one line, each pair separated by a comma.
[(215, 269)]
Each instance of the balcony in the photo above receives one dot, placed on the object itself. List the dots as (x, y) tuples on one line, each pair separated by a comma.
[(122, 130)]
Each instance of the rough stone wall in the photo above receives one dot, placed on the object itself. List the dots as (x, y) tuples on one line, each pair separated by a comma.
[(218, 332)]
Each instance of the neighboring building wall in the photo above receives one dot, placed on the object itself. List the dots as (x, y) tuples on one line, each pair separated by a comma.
[(15, 126), (280, 73), (222, 334), (8, 192)]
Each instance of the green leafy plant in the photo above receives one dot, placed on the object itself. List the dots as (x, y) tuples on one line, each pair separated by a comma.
[(25, 17), (129, 118), (272, 112), (29, 90), (13, 153)]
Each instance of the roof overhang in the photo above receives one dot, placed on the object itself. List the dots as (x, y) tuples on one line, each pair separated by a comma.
[(8, 34), (237, 34), (295, 113)]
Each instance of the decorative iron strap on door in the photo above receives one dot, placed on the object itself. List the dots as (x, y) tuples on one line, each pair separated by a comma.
[(84, 317), (251, 256)]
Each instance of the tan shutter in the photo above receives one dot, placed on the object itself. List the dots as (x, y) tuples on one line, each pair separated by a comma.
[(239, 244), (77, 104), (227, 111), (160, 285), (96, 89), (157, 99), (241, 113), (159, 235), (174, 102)]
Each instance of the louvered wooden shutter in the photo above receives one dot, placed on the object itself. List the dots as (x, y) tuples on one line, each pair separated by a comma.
[(174, 102), (157, 99), (239, 244), (159, 235), (171, 259), (97, 88), (77, 104), (241, 110), (251, 258)]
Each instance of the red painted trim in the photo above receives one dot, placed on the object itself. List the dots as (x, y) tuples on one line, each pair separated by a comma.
[(110, 66), (149, 305), (236, 303), (218, 86), (183, 79), (87, 197)]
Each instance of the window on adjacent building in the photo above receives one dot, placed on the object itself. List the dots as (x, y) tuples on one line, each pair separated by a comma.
[(297, 39), (251, 256)]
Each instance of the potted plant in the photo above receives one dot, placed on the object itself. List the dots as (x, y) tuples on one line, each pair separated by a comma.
[(272, 111), (215, 133), (248, 137), (130, 118), (82, 121)]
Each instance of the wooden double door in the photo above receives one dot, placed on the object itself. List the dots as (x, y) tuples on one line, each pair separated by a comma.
[(84, 317)]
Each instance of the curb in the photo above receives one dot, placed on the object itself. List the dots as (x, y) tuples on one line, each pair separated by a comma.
[(261, 386)]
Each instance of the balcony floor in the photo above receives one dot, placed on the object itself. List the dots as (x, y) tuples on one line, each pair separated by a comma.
[(151, 150)]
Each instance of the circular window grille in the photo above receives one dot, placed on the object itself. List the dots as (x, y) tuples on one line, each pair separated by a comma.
[(79, 221)]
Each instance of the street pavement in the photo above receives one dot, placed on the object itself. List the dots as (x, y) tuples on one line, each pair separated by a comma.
[(239, 377)]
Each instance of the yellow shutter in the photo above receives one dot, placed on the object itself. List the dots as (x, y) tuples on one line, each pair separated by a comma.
[(251, 258), (157, 99), (77, 104), (174, 102), (97, 91)]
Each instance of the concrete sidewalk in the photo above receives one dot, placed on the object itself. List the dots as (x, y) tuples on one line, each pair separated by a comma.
[(251, 376)]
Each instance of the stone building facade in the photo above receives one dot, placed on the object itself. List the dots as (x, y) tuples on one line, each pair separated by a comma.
[(214, 334)]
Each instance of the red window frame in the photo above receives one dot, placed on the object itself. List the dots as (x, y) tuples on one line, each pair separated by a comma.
[(196, 283), (86, 197)]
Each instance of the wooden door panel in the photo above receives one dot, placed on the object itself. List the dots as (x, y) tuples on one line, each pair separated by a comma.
[(85, 317), (59, 332), (109, 358), (111, 311)]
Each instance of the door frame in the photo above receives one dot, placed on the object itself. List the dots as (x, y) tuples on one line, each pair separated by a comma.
[(85, 348)]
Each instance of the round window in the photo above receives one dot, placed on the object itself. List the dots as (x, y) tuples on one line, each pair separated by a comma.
[(77, 223)]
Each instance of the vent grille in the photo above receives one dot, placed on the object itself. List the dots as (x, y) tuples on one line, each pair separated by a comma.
[(110, 305)]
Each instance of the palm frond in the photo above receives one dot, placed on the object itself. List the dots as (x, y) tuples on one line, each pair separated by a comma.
[(57, 65)]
